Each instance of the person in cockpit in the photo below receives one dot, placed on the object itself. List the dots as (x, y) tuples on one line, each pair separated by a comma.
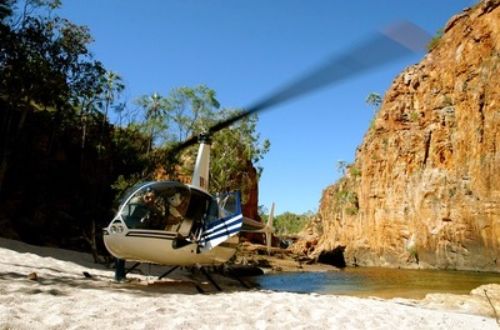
[(174, 211), (150, 209)]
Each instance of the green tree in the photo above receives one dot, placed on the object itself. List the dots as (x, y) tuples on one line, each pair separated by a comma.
[(341, 166), (5, 9), (235, 150), (87, 102), (113, 86), (192, 110), (289, 223), (44, 64), (374, 100), (155, 117), (51, 96)]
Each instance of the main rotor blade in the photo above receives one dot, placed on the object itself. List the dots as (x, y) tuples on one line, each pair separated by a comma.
[(396, 42)]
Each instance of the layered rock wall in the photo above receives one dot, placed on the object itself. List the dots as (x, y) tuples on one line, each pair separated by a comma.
[(424, 190)]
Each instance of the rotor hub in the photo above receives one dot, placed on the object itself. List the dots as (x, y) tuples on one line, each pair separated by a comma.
[(205, 138)]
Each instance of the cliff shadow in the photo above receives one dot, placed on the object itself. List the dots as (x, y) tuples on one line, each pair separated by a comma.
[(333, 257)]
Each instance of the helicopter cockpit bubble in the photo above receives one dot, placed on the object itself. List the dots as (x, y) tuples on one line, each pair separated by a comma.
[(155, 206)]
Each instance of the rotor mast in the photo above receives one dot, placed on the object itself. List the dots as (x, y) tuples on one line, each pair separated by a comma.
[(202, 165)]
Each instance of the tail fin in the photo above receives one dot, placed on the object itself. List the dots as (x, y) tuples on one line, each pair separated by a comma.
[(268, 230)]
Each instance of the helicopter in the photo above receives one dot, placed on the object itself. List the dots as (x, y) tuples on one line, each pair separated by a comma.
[(175, 224), (171, 223)]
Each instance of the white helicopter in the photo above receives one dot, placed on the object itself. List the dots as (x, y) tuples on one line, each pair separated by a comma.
[(175, 224), (170, 223)]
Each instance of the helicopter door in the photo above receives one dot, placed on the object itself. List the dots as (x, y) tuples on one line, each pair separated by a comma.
[(217, 230), (198, 205)]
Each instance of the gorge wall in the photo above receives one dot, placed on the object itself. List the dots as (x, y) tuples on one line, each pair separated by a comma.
[(424, 189)]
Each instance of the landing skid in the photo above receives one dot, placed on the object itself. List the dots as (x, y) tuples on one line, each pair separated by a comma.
[(167, 272), (121, 274), (209, 278)]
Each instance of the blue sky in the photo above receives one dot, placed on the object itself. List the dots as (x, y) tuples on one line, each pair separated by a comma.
[(246, 49)]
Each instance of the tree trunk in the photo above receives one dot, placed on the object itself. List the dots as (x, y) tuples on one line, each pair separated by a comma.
[(91, 240), (3, 169)]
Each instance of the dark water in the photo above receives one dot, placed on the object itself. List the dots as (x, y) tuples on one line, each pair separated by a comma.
[(380, 282)]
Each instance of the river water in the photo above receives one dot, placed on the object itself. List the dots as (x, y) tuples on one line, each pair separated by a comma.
[(379, 282)]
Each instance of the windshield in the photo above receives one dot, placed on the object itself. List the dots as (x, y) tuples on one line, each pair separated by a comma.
[(158, 206), (127, 193)]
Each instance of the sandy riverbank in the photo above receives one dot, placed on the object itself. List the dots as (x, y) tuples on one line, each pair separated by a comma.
[(61, 297)]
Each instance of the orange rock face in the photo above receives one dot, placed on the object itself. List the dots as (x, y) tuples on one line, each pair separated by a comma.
[(424, 190)]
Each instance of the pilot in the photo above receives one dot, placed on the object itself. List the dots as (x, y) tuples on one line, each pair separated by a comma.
[(155, 210)]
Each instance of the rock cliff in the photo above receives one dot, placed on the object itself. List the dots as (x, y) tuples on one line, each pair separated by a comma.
[(424, 189)]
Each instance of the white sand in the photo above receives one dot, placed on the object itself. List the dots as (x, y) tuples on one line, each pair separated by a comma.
[(62, 298)]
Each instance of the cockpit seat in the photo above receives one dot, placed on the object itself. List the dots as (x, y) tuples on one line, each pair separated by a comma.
[(184, 228)]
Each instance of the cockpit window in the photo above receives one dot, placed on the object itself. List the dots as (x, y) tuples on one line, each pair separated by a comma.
[(158, 206), (229, 204), (125, 195)]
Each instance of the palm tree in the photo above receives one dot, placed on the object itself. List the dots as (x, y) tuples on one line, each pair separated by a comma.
[(113, 86), (155, 110), (374, 100), (341, 166), (88, 106)]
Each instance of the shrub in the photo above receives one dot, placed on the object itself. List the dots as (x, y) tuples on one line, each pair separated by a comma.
[(435, 40), (355, 172)]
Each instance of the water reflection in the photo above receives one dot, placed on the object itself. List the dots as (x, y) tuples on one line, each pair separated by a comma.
[(380, 282)]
